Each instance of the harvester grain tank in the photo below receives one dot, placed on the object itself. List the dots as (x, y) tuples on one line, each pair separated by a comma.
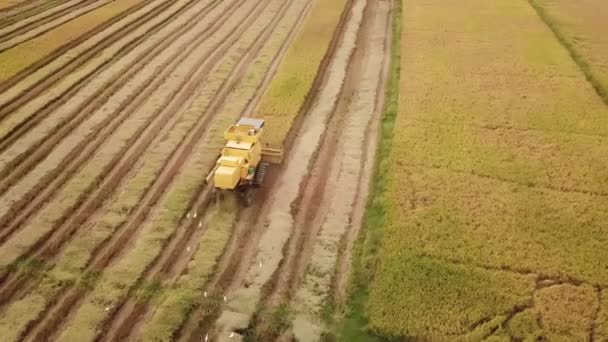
[(244, 160)]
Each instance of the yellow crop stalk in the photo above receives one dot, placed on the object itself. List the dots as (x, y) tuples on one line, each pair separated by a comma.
[(243, 162)]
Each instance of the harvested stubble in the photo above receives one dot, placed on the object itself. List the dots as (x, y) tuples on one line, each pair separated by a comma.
[(116, 280), (178, 300), (16, 59), (18, 116), (496, 164), (71, 194), (117, 210), (295, 76), (579, 26)]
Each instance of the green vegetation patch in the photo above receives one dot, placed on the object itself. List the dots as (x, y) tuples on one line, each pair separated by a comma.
[(419, 296)]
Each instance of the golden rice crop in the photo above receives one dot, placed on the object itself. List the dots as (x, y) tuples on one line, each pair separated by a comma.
[(496, 165), (295, 76), (567, 311), (16, 59), (579, 25)]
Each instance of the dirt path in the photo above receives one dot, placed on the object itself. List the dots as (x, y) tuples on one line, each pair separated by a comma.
[(341, 177)]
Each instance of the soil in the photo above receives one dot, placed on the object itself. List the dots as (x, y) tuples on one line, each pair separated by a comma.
[(77, 126)]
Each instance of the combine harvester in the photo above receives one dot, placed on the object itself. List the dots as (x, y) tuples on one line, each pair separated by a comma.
[(243, 162)]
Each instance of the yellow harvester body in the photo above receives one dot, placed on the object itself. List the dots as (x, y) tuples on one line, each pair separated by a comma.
[(240, 158)]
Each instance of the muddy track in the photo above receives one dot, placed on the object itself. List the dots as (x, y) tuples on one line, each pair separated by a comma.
[(174, 259), (38, 88), (334, 194), (32, 27), (50, 245), (112, 248), (81, 153), (71, 44), (241, 249)]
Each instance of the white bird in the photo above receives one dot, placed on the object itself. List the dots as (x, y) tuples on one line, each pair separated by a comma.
[(225, 299), (205, 294), (195, 214), (107, 309), (188, 215), (200, 224), (231, 334), (188, 249), (206, 337), (260, 263)]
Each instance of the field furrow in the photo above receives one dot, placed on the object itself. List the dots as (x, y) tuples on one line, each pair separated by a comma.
[(18, 61), (143, 108), (142, 248), (103, 116), (184, 281), (29, 100), (252, 266), (10, 25), (17, 36)]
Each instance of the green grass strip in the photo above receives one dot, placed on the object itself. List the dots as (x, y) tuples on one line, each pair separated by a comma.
[(366, 249)]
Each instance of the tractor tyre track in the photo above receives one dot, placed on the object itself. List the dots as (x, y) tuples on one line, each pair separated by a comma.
[(49, 246), (112, 248), (52, 182), (173, 260), (35, 90), (75, 42), (234, 263), (9, 25), (25, 9), (332, 204), (13, 36)]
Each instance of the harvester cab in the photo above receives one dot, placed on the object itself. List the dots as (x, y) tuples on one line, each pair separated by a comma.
[(243, 161)]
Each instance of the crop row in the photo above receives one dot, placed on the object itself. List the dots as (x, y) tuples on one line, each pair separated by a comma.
[(493, 167), (16, 59), (132, 127), (25, 99), (172, 207), (187, 292), (294, 79), (78, 253)]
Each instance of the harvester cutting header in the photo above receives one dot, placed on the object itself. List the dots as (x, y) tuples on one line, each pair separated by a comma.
[(243, 162)]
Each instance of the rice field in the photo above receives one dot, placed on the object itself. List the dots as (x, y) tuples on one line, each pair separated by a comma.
[(496, 199)]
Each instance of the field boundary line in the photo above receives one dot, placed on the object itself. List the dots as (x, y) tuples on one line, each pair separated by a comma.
[(579, 58)]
